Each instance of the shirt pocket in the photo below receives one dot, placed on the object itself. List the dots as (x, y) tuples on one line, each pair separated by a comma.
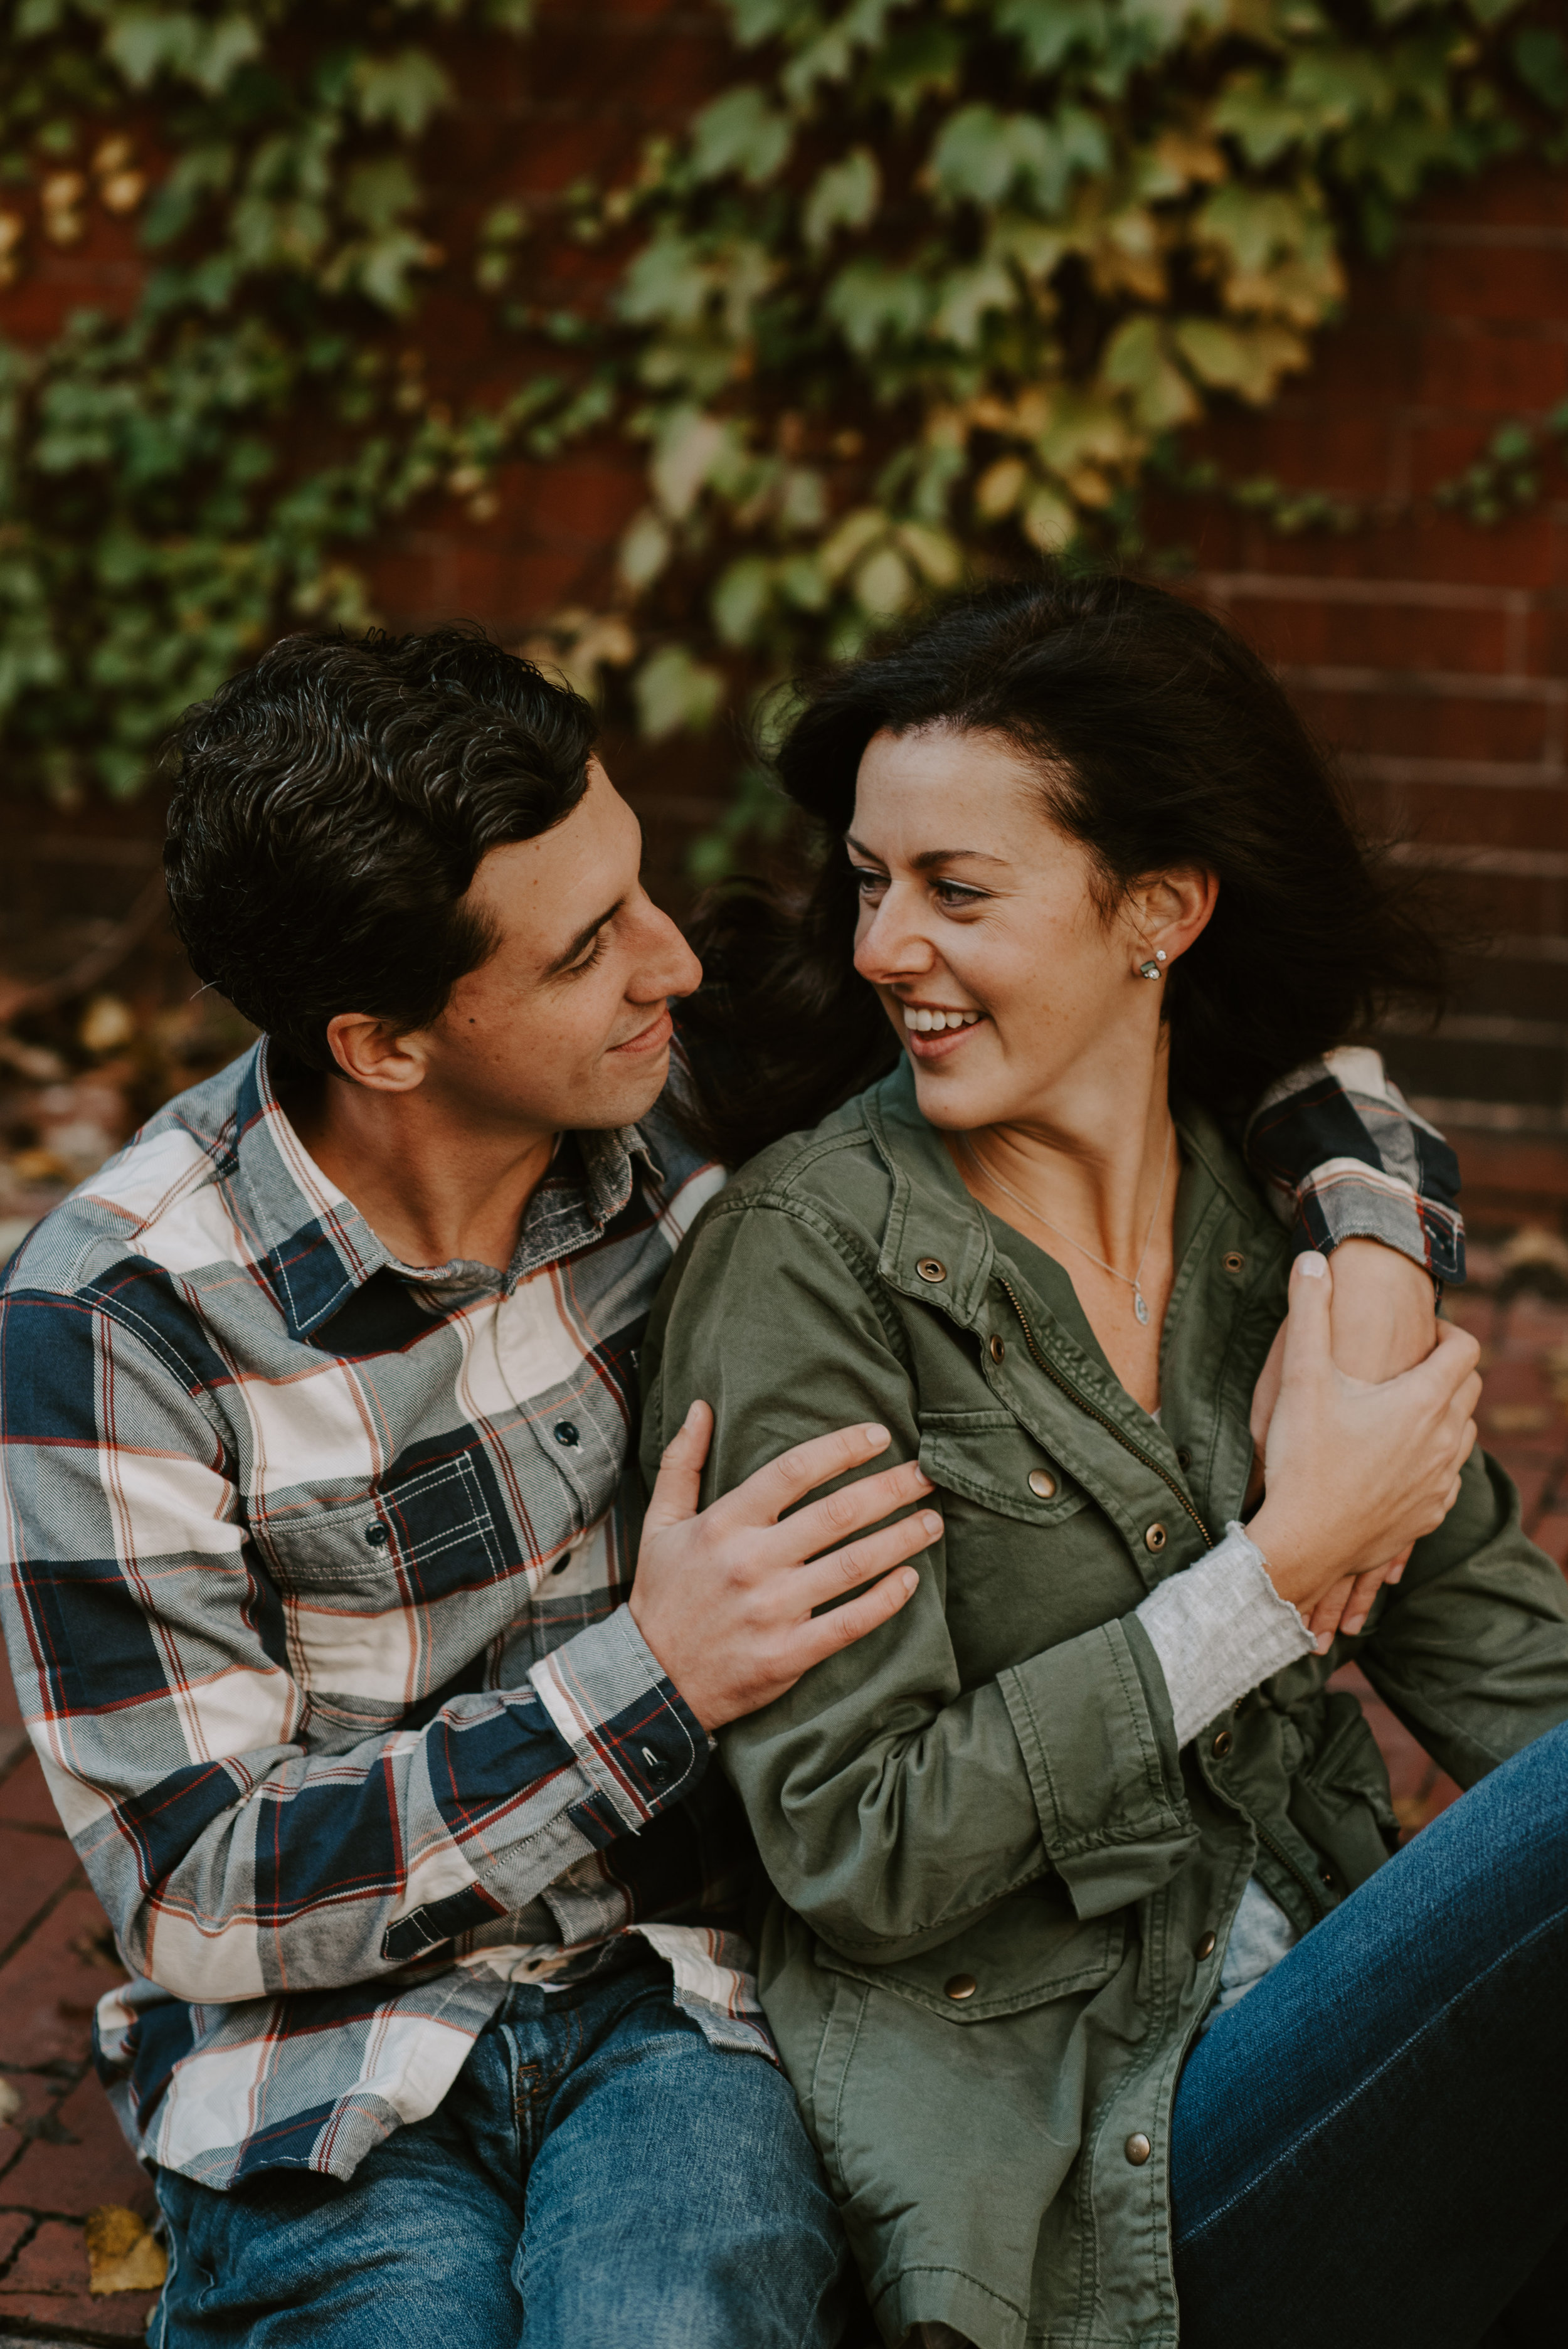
[(988, 1458), (424, 1535)]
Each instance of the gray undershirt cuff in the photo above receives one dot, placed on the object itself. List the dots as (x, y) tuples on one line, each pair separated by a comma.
[(1220, 1628)]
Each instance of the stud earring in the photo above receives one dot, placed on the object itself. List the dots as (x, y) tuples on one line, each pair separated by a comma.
[(1151, 969)]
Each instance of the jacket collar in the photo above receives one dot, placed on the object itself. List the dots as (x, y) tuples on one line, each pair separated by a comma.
[(933, 1217), (316, 1250)]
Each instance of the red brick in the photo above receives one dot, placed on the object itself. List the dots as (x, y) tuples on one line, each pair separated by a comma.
[(14, 2225), (1390, 633), (33, 1867), (1501, 370), (1494, 281), (69, 2180), (47, 2287), (1395, 719), (26, 1801), (37, 2097), (1552, 1533), (48, 1992)]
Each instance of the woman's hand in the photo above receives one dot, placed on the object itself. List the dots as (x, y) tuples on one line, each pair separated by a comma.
[(1357, 1471), (1383, 1321)]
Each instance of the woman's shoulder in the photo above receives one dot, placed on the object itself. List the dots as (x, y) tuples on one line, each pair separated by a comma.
[(840, 1169)]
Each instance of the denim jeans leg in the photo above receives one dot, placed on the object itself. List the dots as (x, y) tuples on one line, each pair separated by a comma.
[(1368, 2148), (415, 2249), (676, 2200)]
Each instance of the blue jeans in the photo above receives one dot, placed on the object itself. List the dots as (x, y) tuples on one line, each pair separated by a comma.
[(599, 2177), (1370, 2149)]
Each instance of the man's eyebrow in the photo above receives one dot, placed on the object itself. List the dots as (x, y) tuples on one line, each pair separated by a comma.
[(569, 954), (929, 857)]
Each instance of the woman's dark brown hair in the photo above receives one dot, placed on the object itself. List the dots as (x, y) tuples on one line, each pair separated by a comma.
[(1160, 740)]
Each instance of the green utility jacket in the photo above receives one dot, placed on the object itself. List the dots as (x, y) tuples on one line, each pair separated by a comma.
[(1003, 1896)]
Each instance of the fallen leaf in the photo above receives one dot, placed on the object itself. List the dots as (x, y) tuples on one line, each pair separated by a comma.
[(122, 2253)]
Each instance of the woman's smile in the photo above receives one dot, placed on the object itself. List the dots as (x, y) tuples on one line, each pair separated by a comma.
[(934, 1031)]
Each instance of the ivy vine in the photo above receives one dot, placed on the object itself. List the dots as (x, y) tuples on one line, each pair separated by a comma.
[(925, 290)]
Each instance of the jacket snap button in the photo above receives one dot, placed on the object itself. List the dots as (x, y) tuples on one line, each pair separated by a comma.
[(1326, 1876), (931, 1268), (1206, 1946), (1233, 1260), (960, 1986), (1222, 1745), (998, 1350), (566, 1434), (377, 1535), (1139, 2150), (1040, 1484), (1155, 1538)]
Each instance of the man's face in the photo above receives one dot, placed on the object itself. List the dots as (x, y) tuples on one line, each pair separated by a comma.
[(567, 1022)]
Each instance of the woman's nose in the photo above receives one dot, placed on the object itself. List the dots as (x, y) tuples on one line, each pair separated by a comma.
[(892, 945)]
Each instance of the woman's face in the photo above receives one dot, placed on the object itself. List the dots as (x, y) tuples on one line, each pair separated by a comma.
[(1015, 996)]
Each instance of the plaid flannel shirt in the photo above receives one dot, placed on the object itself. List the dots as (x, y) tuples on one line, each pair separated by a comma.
[(317, 1564)]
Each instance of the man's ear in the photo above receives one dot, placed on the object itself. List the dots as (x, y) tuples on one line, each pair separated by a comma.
[(376, 1055)]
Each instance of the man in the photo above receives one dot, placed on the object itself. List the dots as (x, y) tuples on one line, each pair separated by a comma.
[(319, 1404)]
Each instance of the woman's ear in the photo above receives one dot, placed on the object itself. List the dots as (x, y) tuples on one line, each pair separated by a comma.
[(1171, 910)]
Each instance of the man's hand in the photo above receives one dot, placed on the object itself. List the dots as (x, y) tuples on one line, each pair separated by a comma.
[(725, 1598), (1383, 1323), (1357, 1472)]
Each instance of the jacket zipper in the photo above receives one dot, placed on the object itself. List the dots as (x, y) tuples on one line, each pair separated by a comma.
[(1318, 1908), (1110, 1424)]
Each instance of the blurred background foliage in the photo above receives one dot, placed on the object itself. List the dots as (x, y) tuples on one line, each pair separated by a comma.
[(925, 290)]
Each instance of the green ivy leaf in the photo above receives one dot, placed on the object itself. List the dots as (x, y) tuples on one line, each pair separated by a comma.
[(844, 195), (741, 132), (404, 91), (674, 693)]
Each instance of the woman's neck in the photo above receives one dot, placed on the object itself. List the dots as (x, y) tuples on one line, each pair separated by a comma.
[(1091, 1180)]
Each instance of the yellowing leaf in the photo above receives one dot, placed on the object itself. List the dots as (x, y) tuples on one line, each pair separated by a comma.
[(1049, 523), (997, 491), (1137, 361), (883, 583)]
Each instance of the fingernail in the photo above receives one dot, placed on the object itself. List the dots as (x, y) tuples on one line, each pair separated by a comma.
[(692, 1410), (909, 1580), (923, 1480), (930, 1521), (1352, 1624), (1395, 1572), (1323, 1641), (1310, 1266), (875, 1437)]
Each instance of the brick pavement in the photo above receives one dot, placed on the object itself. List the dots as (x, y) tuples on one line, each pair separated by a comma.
[(63, 2155)]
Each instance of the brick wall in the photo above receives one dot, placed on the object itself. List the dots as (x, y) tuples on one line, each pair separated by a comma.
[(1429, 650)]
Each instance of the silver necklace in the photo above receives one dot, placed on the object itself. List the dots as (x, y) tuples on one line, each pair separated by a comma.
[(1133, 1280)]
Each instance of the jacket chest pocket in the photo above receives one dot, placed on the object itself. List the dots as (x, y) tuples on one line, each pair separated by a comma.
[(1031, 1559), (987, 1457)]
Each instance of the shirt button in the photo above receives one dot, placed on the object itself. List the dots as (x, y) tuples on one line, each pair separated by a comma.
[(1137, 2149), (1206, 1946), (377, 1535), (566, 1435), (1222, 1745), (960, 1986), (931, 1268), (1233, 1260), (1041, 1484), (998, 1350), (1183, 1459), (1156, 1538)]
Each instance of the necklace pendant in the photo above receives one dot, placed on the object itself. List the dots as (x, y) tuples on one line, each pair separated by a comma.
[(1139, 1305)]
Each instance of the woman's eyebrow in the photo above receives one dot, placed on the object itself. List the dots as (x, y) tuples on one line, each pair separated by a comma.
[(929, 857)]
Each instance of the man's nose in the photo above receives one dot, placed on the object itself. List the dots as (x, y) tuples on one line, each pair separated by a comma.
[(670, 968)]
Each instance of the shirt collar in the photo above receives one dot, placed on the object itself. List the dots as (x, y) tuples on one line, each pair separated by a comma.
[(316, 1250)]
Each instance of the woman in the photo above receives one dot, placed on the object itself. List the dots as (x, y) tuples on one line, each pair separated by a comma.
[(1034, 1838)]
